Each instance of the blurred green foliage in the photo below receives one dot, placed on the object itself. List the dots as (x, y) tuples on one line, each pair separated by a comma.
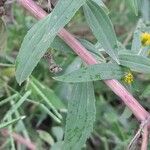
[(114, 126)]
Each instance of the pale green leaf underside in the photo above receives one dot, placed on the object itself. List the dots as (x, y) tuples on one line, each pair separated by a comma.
[(96, 72), (101, 27), (41, 35), (81, 116), (135, 62)]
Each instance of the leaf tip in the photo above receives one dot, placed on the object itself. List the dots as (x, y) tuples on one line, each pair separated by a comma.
[(19, 81), (23, 117), (56, 78)]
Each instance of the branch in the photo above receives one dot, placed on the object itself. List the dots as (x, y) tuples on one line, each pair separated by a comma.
[(145, 136), (18, 138), (139, 112), (143, 130)]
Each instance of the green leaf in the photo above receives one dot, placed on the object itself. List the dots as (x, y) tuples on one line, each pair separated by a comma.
[(46, 137), (136, 42), (45, 99), (21, 125), (5, 124), (49, 93), (41, 35), (3, 35), (2, 102), (57, 146), (146, 92), (96, 72), (101, 4), (145, 10), (10, 130), (66, 88), (133, 4), (46, 110), (101, 27), (91, 47), (58, 133), (135, 62), (137, 47), (81, 116), (59, 44), (94, 49), (17, 105)]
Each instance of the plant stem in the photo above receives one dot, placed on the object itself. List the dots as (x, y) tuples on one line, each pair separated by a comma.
[(20, 139), (116, 87), (6, 65), (145, 138), (139, 112)]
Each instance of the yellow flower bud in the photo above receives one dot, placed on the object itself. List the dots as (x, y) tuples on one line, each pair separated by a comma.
[(145, 39), (128, 78)]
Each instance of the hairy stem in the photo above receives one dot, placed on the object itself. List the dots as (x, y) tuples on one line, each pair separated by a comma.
[(139, 112)]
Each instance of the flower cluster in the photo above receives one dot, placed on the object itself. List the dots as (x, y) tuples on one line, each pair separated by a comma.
[(145, 39), (128, 78)]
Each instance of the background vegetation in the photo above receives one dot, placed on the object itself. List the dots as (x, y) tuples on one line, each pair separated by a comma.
[(114, 126)]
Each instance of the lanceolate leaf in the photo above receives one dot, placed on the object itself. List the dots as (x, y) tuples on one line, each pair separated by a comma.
[(101, 71), (135, 62), (39, 38), (81, 116), (102, 28), (100, 3)]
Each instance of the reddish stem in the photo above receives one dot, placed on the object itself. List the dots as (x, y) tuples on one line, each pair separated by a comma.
[(140, 113), (20, 139), (116, 87), (145, 138)]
